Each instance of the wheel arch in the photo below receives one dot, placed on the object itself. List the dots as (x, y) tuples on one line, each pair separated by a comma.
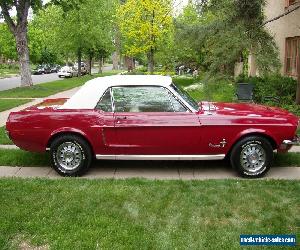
[(78, 133), (259, 134)]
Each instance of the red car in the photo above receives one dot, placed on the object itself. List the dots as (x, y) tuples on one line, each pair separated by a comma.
[(149, 118)]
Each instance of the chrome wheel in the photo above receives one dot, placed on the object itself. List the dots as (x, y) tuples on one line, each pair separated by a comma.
[(69, 155), (253, 158)]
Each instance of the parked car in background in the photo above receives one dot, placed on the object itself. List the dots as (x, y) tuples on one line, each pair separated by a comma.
[(47, 69), (84, 68), (150, 118), (67, 71), (55, 68), (39, 70)]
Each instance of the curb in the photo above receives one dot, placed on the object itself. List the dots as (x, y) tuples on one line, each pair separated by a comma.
[(278, 173)]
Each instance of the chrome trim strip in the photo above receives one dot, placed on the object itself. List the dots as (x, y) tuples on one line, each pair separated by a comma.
[(161, 157)]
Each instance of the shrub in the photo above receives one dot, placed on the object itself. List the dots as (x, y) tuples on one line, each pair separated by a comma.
[(278, 86), (9, 66)]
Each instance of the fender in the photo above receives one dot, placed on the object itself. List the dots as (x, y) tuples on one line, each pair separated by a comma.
[(251, 131), (69, 130)]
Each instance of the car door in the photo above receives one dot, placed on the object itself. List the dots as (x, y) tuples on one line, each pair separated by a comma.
[(149, 120), (105, 131)]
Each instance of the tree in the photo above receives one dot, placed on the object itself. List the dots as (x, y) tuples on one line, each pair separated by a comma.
[(7, 43), (18, 27), (70, 29), (143, 25), (228, 31)]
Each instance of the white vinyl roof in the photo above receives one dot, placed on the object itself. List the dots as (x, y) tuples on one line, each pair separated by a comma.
[(89, 94)]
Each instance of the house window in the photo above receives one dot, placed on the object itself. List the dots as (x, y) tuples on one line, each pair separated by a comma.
[(292, 55)]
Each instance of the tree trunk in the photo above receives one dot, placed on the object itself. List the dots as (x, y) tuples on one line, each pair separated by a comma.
[(252, 68), (115, 59), (151, 61), (100, 71), (23, 56), (298, 85), (79, 62), (90, 63)]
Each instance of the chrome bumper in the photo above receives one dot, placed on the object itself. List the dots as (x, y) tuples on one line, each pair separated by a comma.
[(294, 142)]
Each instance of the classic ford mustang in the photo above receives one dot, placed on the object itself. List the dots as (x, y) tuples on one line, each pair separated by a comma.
[(150, 118)]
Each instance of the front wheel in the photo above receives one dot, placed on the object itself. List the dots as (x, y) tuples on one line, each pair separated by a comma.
[(71, 155), (252, 156)]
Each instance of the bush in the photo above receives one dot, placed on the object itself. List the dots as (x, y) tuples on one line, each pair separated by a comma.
[(9, 66), (278, 86)]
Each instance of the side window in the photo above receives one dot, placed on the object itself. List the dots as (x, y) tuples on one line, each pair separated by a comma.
[(177, 106), (142, 99), (105, 102)]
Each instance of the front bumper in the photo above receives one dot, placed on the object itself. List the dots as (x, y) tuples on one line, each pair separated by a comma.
[(294, 142), (286, 145)]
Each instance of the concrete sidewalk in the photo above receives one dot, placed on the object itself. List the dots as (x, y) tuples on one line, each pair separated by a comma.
[(4, 115), (285, 173)]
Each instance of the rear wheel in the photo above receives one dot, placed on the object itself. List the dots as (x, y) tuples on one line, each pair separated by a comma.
[(71, 155), (252, 156)]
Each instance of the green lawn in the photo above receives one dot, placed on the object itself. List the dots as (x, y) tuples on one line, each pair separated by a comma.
[(8, 72), (6, 104), (203, 90), (4, 140), (49, 88), (16, 157), (144, 214)]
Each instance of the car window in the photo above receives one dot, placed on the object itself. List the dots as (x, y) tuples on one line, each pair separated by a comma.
[(177, 106), (186, 96), (143, 99), (105, 102)]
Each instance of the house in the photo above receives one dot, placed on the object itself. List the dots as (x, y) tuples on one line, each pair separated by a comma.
[(283, 21)]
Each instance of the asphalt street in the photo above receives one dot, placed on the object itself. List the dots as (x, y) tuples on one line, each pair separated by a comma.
[(14, 82)]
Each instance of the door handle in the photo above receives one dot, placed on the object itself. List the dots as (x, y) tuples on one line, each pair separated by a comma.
[(121, 117)]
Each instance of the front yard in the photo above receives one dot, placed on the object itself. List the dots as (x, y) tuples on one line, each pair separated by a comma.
[(6, 104), (143, 214)]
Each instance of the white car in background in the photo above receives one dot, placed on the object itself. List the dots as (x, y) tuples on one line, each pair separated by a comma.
[(67, 71)]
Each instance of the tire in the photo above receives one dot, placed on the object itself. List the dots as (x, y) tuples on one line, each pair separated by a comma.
[(252, 156), (71, 155)]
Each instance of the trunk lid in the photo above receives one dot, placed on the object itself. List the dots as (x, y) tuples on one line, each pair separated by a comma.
[(48, 104)]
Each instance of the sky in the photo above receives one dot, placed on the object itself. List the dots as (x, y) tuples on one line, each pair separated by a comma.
[(179, 5)]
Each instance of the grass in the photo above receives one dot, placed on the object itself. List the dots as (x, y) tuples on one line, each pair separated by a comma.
[(200, 89), (49, 88), (16, 157), (6, 104), (144, 214), (4, 140), (6, 72)]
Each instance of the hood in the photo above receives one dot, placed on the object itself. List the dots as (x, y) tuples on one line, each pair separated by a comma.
[(245, 109)]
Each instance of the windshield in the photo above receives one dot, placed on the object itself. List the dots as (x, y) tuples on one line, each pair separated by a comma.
[(186, 96)]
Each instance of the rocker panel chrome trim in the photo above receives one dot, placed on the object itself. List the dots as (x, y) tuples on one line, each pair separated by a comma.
[(160, 157)]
